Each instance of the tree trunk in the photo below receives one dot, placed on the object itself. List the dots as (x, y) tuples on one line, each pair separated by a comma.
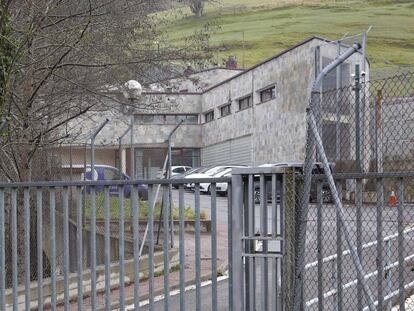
[(197, 7)]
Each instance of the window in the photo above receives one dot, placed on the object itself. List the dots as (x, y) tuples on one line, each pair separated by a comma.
[(225, 110), (209, 116), (188, 119), (191, 119), (171, 119), (179, 170), (245, 102), (147, 119), (267, 94)]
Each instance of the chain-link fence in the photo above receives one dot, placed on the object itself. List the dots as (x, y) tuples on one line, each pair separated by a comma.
[(367, 134)]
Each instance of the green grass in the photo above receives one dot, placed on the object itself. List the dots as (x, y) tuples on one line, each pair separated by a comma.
[(189, 213), (271, 26)]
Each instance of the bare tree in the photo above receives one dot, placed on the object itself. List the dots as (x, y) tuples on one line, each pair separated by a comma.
[(58, 60), (65, 56), (197, 6)]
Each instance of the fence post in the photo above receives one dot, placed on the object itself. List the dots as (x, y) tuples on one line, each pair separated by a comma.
[(290, 238), (237, 296)]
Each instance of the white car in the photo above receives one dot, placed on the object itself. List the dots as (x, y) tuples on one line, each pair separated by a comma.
[(175, 170), (221, 187), (210, 173), (206, 187)]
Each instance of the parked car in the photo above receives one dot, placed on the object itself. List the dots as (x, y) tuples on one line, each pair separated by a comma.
[(221, 187), (177, 170), (209, 173), (318, 169), (206, 187), (108, 173), (183, 175)]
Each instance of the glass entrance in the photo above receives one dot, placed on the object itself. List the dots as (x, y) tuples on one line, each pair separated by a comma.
[(150, 161)]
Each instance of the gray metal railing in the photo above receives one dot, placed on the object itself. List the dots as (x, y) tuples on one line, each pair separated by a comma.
[(96, 264), (258, 235)]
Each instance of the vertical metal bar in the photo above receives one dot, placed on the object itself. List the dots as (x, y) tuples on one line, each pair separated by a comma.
[(236, 221), (363, 102), (107, 234), (283, 260), (358, 198), (150, 246), (401, 261), (247, 244), (380, 264), (52, 199), (182, 248), (135, 228), (121, 249), (275, 221), (388, 271), (213, 246), (334, 278), (166, 248), (79, 244), (14, 247), (26, 204), (251, 273), (304, 209), (66, 246), (339, 225), (39, 237), (92, 228), (357, 120), (263, 233), (2, 254), (320, 244), (197, 247), (337, 104), (230, 242)]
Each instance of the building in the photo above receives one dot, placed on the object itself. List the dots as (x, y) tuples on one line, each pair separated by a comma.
[(230, 116)]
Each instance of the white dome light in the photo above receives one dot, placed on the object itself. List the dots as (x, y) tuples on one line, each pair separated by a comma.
[(133, 89)]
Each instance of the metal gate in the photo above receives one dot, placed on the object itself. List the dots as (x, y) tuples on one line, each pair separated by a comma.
[(259, 270), (354, 245), (83, 245)]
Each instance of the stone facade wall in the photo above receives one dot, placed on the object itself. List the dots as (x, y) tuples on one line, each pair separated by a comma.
[(277, 126), (271, 121)]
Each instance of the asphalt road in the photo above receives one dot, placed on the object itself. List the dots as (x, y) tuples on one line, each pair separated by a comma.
[(330, 245)]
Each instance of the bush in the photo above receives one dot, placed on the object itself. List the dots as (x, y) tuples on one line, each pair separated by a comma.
[(189, 213)]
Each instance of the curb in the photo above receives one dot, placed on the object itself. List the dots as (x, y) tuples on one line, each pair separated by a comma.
[(130, 301)]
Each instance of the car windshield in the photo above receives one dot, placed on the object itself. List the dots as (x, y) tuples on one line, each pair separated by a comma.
[(214, 170), (222, 172), (194, 171)]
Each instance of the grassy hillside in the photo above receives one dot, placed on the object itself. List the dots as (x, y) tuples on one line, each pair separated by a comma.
[(271, 26)]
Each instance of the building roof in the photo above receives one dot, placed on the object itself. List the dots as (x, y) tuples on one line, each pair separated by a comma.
[(183, 75), (242, 71), (268, 60)]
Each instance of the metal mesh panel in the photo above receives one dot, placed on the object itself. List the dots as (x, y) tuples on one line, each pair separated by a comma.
[(367, 136)]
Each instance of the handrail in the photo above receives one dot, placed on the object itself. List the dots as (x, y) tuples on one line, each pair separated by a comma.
[(56, 184)]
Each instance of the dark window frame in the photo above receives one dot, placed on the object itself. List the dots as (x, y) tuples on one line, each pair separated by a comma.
[(242, 101), (223, 108), (266, 92), (189, 118), (209, 116)]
